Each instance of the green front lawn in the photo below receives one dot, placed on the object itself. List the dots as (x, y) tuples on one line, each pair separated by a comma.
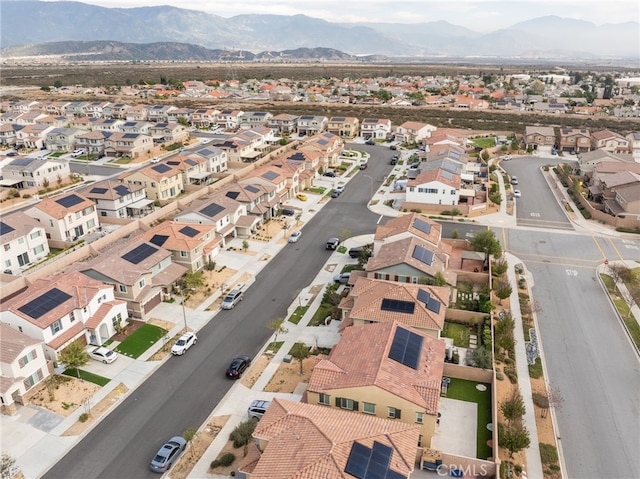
[(464, 390), (298, 314), (140, 340), (87, 376), (623, 309)]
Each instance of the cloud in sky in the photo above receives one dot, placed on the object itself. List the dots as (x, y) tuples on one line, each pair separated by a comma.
[(477, 15)]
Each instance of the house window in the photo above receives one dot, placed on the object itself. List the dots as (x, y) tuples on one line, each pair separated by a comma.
[(72, 316), (56, 327), (420, 440), (20, 240), (35, 235), (184, 254), (38, 249), (91, 224), (420, 417), (122, 288), (141, 283), (324, 399), (345, 403), (33, 379), (7, 247), (7, 263), (368, 408), (27, 358), (78, 215), (393, 413)]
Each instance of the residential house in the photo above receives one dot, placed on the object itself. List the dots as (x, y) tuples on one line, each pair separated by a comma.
[(634, 145), (283, 123), (63, 309), (626, 202), (204, 118), (386, 370), (62, 139), (23, 242), (309, 161), (411, 260), (609, 141), (251, 119), (32, 172), (192, 245), (33, 136), (138, 127), (29, 118), (68, 217), (115, 110), (329, 145), (408, 226), (587, 162), (137, 113), (129, 145), (237, 150), (435, 187), (161, 181), (107, 124), (217, 158), (159, 113), (259, 199), (539, 138), (140, 273), (221, 211), (168, 133), (116, 200), (95, 109), (23, 366), (283, 176), (177, 115), (377, 301), (92, 142), (413, 131), (573, 140), (229, 119), (344, 127), (8, 134), (312, 125), (375, 128), (193, 169), (303, 440)]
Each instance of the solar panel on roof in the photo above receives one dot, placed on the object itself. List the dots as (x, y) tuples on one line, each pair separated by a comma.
[(421, 225), (259, 113), (406, 347), (371, 463), (44, 303), (369, 120), (172, 162), (297, 156), (21, 162), (306, 117), (322, 142), (270, 175), (232, 194), (122, 190), (99, 191), (69, 201), (5, 228), (398, 306), (189, 231), (139, 253), (422, 254), (161, 168), (431, 303), (339, 118), (191, 162), (212, 210), (159, 240), (446, 174), (252, 189), (328, 135), (130, 135), (205, 152), (358, 460)]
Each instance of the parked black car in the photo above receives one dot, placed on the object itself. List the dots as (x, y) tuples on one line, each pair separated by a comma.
[(357, 251), (288, 212), (238, 366), (370, 142)]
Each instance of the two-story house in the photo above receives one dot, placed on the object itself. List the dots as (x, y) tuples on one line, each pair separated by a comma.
[(435, 187), (260, 200), (345, 127), (295, 439), (92, 142), (283, 123), (23, 241), (138, 127), (609, 141), (222, 211), (131, 145), (169, 132), (539, 138), (634, 145), (375, 128), (22, 365), (67, 217), (33, 136), (193, 169), (140, 274), (229, 119), (312, 124), (251, 119), (204, 117), (385, 370), (573, 140), (62, 139), (217, 158), (162, 182), (413, 131), (64, 309), (116, 200), (192, 245), (328, 145)]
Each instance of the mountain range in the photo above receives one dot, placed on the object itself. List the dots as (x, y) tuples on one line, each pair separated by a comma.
[(28, 24)]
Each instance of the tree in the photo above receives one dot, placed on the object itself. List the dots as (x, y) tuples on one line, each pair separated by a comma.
[(486, 242), (500, 267), (57, 84), (190, 436), (300, 352), (192, 280), (513, 407), (514, 438), (74, 356), (503, 290), (277, 325), (8, 467), (480, 358), (439, 279)]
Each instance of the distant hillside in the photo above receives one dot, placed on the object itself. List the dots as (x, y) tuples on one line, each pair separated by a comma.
[(31, 22)]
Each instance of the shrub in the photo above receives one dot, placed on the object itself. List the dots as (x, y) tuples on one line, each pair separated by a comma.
[(511, 373), (241, 435), (499, 376), (535, 370), (83, 417), (224, 460), (548, 453)]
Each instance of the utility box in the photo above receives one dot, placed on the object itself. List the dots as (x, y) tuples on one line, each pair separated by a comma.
[(287, 358)]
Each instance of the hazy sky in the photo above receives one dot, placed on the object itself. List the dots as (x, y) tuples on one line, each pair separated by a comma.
[(478, 15)]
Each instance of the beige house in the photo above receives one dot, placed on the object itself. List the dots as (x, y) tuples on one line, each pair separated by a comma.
[(66, 217), (375, 128), (539, 138), (169, 132), (385, 370), (328, 145), (161, 181), (573, 140), (421, 307), (306, 441), (23, 366), (344, 127), (192, 246), (32, 172), (130, 145), (414, 131), (609, 141), (23, 241)]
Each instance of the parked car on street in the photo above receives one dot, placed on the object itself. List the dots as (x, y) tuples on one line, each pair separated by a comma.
[(514, 180), (393, 147), (393, 160), (295, 236), (233, 298), (517, 194), (238, 366), (363, 166), (370, 142), (168, 454), (183, 343), (103, 354), (335, 194), (340, 188), (333, 243)]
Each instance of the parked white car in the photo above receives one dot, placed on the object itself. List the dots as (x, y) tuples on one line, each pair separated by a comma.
[(103, 354), (295, 236), (183, 343)]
